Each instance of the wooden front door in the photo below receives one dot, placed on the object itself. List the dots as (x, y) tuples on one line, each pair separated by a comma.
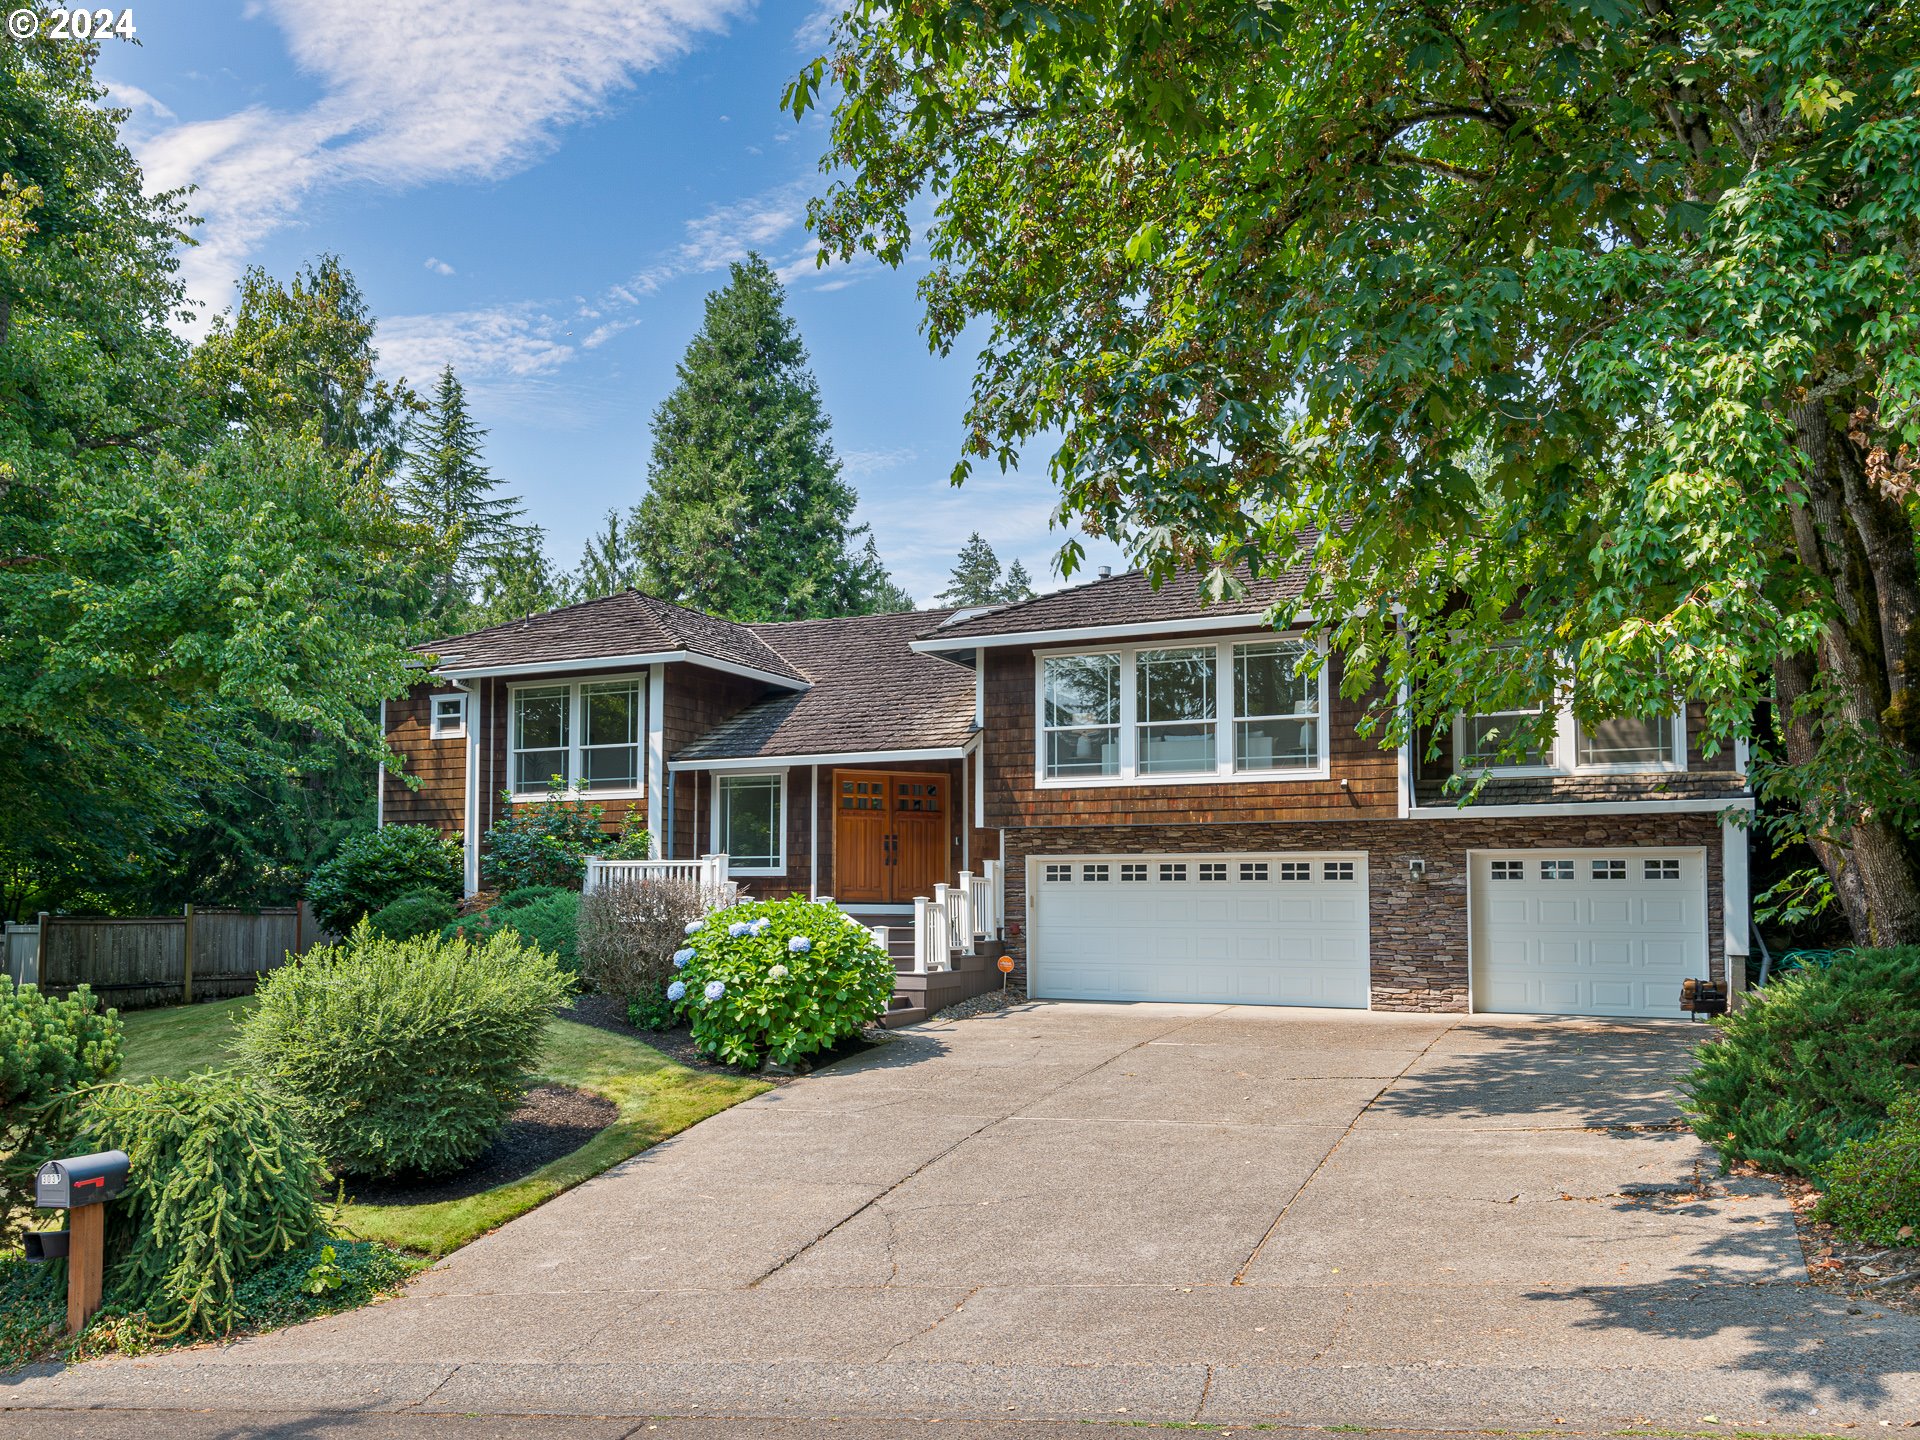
[(890, 835)]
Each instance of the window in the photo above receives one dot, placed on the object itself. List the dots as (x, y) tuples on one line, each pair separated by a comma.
[(1133, 872), (1627, 742), (1060, 874), (1663, 870), (1082, 715), (1278, 711), (449, 717), (1173, 872), (747, 814), (1296, 870), (1253, 869), (1096, 874), (1337, 870), (1509, 869), (1209, 871), (1556, 869), (590, 734), (1481, 738), (1609, 869), (1174, 700), (1221, 709)]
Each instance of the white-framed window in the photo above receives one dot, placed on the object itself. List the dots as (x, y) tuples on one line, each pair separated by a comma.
[(1479, 739), (590, 733), (749, 822), (1622, 746), (1096, 874), (1133, 872), (1631, 744), (1239, 708), (1556, 869), (1509, 869), (1060, 874), (1662, 869), (449, 717), (1253, 870), (1296, 870), (1173, 874), (1609, 869), (1337, 870), (1213, 870)]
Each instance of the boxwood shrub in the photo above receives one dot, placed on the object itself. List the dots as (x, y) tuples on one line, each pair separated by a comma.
[(377, 867), (421, 913), (775, 980), (404, 1057), (1815, 1060)]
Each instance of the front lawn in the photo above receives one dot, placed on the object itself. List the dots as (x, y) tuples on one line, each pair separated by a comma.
[(174, 1042)]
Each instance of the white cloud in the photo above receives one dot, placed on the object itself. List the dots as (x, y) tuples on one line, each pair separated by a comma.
[(439, 267), (817, 28), (510, 340), (600, 334), (433, 90), (132, 97), (870, 462)]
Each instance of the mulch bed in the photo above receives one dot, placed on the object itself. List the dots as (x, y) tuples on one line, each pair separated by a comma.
[(605, 1012), (553, 1120), (1868, 1275)]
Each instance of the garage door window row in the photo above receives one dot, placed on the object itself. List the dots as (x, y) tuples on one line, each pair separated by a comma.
[(1206, 871), (1665, 868)]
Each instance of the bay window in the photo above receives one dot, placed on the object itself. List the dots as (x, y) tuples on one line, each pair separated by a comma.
[(1215, 710), (588, 733), (747, 819)]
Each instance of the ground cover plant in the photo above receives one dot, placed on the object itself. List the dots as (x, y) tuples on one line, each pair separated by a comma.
[(627, 937), (50, 1049), (403, 1057), (373, 869), (1815, 1060), (1873, 1186), (775, 980)]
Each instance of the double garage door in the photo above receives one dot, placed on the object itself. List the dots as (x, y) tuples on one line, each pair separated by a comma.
[(1587, 932)]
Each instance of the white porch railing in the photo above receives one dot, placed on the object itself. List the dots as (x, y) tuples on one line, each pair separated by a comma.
[(709, 872), (932, 933)]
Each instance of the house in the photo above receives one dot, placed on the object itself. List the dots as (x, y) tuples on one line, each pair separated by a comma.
[(1180, 810)]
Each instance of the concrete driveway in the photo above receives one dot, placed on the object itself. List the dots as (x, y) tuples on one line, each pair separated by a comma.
[(1222, 1214)]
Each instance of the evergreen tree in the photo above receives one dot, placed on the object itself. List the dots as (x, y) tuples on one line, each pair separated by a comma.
[(976, 575), (884, 596), (746, 514), (607, 565), (1017, 586), (516, 580), (448, 488)]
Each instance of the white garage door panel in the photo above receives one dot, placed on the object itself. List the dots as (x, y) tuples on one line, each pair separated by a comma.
[(1251, 938), (1602, 942)]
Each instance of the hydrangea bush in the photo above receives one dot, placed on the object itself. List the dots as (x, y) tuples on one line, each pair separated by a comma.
[(774, 980)]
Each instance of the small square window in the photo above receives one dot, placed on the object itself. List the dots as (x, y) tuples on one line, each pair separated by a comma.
[(1556, 869), (1253, 870), (1509, 869), (1059, 874), (1211, 871), (449, 716), (1663, 869), (1094, 874), (1337, 870), (1173, 872), (1296, 870), (1609, 869), (1133, 872)]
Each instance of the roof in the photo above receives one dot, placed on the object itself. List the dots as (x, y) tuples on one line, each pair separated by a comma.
[(1117, 602), (612, 628), (870, 693)]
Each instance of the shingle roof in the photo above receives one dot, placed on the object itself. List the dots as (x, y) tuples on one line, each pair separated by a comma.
[(870, 692), (625, 624), (1120, 600)]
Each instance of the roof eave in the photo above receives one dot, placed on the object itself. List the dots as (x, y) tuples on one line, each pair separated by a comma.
[(1238, 620), (604, 662)]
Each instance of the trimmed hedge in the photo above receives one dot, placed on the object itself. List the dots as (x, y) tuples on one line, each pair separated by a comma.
[(403, 1057), (1816, 1060)]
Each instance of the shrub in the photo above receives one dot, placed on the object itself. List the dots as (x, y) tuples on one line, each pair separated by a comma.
[(775, 980), (421, 913), (549, 921), (1814, 1061), (526, 894), (628, 934), (1873, 1186), (547, 843), (403, 1057), (218, 1185), (373, 869), (49, 1049)]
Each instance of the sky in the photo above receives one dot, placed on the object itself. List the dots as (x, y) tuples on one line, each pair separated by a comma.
[(541, 193)]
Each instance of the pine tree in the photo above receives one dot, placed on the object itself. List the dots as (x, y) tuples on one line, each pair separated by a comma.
[(516, 580), (746, 513), (1017, 586), (976, 575), (607, 565), (448, 488)]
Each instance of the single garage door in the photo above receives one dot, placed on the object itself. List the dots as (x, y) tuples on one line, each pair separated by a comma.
[(1587, 932), (1278, 929)]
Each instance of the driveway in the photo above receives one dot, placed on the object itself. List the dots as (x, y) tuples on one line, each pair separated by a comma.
[(1223, 1214)]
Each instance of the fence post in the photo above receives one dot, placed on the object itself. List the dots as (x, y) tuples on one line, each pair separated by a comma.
[(186, 958), (40, 950), (299, 923)]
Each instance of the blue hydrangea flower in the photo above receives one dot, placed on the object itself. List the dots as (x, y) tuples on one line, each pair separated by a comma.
[(677, 991), (715, 989), (693, 925), (799, 945), (778, 972), (681, 957), (759, 927), (739, 928)]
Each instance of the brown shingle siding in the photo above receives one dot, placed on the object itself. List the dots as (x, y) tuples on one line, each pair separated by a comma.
[(439, 765)]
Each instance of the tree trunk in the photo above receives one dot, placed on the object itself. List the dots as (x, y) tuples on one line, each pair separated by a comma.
[(1861, 544)]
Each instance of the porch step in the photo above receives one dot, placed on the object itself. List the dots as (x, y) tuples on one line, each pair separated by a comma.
[(905, 1015)]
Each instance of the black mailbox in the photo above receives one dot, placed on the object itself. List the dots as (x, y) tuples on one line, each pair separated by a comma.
[(47, 1244), (81, 1180)]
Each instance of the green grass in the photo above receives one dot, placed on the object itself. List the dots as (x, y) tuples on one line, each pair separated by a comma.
[(657, 1097)]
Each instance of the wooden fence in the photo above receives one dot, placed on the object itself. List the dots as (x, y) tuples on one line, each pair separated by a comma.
[(158, 959)]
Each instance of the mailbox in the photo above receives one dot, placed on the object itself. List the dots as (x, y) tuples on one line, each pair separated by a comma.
[(80, 1181), (45, 1245)]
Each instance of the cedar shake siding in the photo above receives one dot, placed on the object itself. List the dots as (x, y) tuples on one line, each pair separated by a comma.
[(698, 699), (440, 766), (1417, 928)]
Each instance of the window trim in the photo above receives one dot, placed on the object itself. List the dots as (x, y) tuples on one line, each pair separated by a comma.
[(721, 783), (575, 686), (1563, 756), (1226, 715), (455, 731)]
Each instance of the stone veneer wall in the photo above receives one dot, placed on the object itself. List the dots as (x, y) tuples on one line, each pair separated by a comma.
[(1419, 927)]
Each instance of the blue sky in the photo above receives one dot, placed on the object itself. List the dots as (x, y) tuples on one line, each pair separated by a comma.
[(542, 192)]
